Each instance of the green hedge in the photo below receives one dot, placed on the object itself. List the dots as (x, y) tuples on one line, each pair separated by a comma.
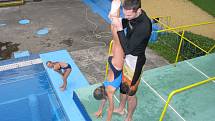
[(167, 45), (206, 5)]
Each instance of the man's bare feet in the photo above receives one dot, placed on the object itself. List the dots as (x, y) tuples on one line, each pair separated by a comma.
[(118, 111)]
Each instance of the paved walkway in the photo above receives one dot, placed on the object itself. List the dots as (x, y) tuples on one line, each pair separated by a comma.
[(72, 26)]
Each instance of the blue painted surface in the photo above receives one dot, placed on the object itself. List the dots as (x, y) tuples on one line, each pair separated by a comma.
[(34, 107), (75, 80), (24, 21), (16, 89), (101, 7), (81, 107), (15, 60), (154, 36), (19, 54), (42, 31)]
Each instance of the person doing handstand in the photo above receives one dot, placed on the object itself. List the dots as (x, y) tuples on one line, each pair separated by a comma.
[(115, 63)]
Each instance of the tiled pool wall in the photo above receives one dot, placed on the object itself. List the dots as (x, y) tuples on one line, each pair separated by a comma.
[(37, 100)]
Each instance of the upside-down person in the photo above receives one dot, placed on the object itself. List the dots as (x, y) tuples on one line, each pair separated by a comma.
[(115, 61)]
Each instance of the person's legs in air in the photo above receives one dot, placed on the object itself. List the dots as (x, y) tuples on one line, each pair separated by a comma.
[(117, 55)]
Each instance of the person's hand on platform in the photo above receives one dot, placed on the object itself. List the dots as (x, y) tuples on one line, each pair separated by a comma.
[(98, 114)]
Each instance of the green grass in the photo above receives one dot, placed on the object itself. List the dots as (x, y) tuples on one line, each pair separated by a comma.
[(167, 45), (206, 5)]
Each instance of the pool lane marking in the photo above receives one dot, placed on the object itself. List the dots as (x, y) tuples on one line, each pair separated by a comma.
[(198, 70), (20, 64), (162, 99)]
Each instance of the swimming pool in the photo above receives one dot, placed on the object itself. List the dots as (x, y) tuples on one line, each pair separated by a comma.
[(26, 93)]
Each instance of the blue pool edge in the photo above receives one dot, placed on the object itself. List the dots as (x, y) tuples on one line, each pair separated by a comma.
[(76, 80)]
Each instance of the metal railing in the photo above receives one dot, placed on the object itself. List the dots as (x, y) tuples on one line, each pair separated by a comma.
[(164, 19), (11, 3), (181, 90), (187, 26), (182, 35)]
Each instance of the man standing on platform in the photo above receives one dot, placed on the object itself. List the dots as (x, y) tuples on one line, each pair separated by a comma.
[(134, 43)]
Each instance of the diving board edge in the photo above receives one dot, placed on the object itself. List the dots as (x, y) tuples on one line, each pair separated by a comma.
[(81, 107), (75, 80)]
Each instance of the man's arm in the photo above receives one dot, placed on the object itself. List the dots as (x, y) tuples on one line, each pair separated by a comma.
[(137, 37), (139, 34)]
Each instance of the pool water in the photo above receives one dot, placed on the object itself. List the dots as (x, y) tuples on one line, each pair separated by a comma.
[(26, 94)]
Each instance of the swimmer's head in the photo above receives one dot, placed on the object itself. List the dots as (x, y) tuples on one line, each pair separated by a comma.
[(99, 93), (50, 64)]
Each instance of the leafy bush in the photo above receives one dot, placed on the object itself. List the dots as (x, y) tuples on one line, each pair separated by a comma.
[(207, 5), (167, 46)]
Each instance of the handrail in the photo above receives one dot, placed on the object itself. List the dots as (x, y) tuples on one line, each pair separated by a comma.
[(167, 17), (160, 17), (11, 3), (183, 37), (187, 26), (179, 48), (211, 49), (181, 90), (109, 52)]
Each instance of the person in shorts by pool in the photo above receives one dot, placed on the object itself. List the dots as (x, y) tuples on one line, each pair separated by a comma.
[(63, 69)]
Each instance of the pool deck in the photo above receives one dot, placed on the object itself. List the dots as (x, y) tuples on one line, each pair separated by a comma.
[(196, 104)]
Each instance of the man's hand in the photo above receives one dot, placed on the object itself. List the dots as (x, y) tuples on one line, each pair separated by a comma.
[(117, 22), (132, 88)]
